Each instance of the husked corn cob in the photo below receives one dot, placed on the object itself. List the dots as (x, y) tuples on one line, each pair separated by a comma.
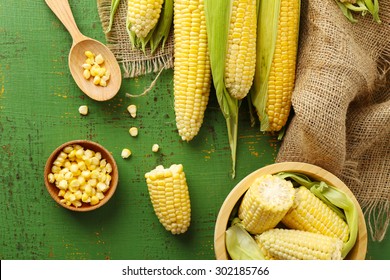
[(170, 198), (241, 50), (277, 50), (265, 203), (143, 15), (290, 244), (309, 213), (192, 74)]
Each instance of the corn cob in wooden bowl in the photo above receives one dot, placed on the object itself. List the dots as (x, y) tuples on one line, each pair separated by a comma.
[(81, 175), (290, 210)]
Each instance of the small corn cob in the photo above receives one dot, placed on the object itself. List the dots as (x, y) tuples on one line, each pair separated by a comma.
[(192, 74), (170, 198), (290, 244), (265, 203), (143, 15), (309, 213), (241, 50), (277, 45)]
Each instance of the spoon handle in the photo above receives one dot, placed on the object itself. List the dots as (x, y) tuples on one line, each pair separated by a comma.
[(62, 10)]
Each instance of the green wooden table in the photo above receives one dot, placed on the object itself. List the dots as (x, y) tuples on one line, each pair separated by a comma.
[(39, 104)]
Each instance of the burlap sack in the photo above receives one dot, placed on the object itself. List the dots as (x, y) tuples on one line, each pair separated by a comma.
[(134, 62), (341, 103)]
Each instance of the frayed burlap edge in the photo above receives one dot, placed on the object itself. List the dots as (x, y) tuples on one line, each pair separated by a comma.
[(134, 62)]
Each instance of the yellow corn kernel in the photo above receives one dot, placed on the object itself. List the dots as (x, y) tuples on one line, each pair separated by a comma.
[(125, 153), (83, 110), (96, 80), (170, 198), (99, 59), (155, 148), (86, 74), (132, 109), (94, 200), (290, 244), (133, 131), (89, 54), (192, 73), (265, 203), (102, 187)]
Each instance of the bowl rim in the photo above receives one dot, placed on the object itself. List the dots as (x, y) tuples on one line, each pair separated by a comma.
[(358, 252), (89, 145)]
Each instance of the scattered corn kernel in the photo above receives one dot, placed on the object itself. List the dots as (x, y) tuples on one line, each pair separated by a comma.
[(133, 131), (155, 148), (125, 153), (132, 109), (93, 67), (81, 175), (83, 110)]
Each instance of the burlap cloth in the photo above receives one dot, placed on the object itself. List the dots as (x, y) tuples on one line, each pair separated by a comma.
[(341, 104), (134, 62)]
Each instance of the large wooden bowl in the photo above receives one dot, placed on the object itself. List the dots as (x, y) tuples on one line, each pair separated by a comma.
[(358, 252), (53, 190)]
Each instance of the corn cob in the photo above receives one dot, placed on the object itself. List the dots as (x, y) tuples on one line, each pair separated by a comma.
[(143, 15), (277, 45), (309, 213), (265, 203), (170, 198), (290, 244), (241, 49), (192, 74)]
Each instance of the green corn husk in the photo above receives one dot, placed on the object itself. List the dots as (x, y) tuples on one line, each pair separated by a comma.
[(361, 6), (113, 9), (336, 199), (267, 23), (240, 244), (217, 19)]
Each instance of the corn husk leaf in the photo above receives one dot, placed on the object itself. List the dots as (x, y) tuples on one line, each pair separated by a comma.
[(240, 244), (267, 25), (217, 18), (336, 199), (361, 6), (113, 9)]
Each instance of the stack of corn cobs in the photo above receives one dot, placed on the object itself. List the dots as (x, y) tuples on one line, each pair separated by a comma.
[(245, 48), (242, 47), (290, 217)]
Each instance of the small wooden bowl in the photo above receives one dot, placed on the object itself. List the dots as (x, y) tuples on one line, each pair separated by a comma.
[(358, 252), (53, 190)]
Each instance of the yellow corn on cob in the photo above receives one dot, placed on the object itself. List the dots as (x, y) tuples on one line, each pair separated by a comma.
[(290, 244), (170, 198), (265, 203), (143, 15), (241, 50), (278, 29), (309, 213), (192, 74)]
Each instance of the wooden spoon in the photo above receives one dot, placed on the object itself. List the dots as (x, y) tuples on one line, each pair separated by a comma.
[(77, 57)]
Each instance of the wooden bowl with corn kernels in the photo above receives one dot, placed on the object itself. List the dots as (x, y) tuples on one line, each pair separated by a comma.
[(81, 175), (232, 201)]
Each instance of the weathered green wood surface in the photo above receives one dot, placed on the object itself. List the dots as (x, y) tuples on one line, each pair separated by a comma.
[(39, 111)]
